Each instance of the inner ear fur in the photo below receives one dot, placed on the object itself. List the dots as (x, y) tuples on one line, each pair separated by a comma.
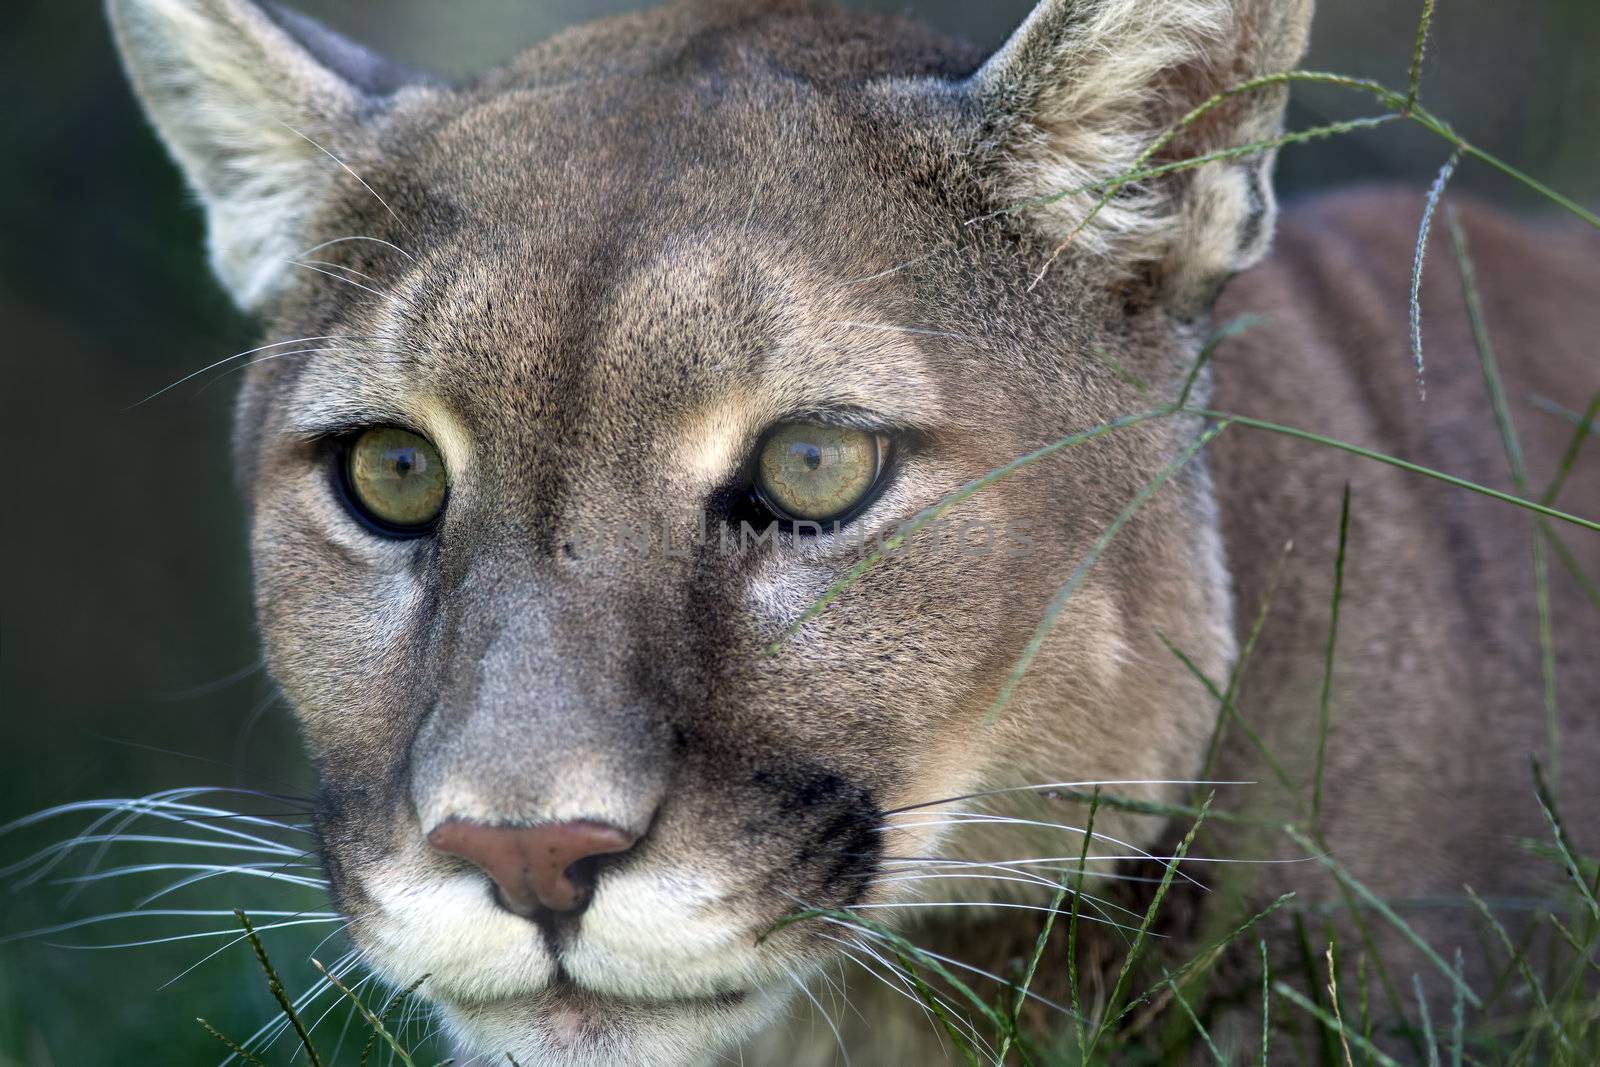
[(1085, 87), (254, 105)]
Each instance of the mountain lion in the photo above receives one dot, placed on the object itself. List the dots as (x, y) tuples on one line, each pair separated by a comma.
[(600, 400)]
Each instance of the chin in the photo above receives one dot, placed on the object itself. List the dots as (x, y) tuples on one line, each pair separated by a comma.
[(567, 1026)]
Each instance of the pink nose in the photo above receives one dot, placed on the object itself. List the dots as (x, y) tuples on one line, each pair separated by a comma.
[(535, 867)]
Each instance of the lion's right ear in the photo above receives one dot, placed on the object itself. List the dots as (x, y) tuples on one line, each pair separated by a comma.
[(255, 105)]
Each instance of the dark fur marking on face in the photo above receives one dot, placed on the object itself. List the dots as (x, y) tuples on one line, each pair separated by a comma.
[(832, 825)]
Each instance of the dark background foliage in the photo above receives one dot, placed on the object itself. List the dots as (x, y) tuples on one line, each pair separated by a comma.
[(127, 653)]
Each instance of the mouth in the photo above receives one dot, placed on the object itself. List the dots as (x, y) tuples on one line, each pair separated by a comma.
[(567, 1023), (565, 997)]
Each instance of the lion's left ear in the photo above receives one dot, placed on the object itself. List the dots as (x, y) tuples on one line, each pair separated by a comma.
[(255, 103), (1086, 86)]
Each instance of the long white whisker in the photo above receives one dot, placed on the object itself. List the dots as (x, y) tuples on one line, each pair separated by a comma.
[(346, 167), (270, 871), (955, 1016), (1030, 994), (214, 953), (984, 904), (355, 987), (270, 1031), (301, 881), (966, 818), (341, 240), (62, 847), (1043, 882), (190, 937), (815, 1003), (1048, 786), (223, 362), (1045, 863), (351, 282)]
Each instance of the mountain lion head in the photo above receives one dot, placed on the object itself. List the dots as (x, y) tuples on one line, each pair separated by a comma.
[(597, 401)]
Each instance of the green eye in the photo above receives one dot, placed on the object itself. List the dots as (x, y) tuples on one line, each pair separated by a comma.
[(812, 472), (395, 480)]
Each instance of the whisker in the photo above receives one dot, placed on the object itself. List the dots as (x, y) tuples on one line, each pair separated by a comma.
[(954, 1015), (355, 988), (964, 818), (348, 281), (274, 875), (892, 270), (359, 350), (274, 871), (333, 266), (171, 810), (1043, 882), (1048, 786), (312, 919), (224, 362), (216, 684), (1046, 863), (63, 847), (272, 1030), (837, 1037), (287, 798), (1030, 994), (341, 240), (213, 954), (347, 169), (986, 904)]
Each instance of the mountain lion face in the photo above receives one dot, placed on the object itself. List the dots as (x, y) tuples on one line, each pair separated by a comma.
[(583, 384)]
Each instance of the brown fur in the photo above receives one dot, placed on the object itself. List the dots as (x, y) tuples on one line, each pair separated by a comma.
[(594, 278)]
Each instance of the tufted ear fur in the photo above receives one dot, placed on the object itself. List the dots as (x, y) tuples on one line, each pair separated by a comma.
[(1086, 86), (243, 95)]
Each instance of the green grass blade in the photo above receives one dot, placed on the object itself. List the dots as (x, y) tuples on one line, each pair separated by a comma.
[(1569, 860), (1519, 959), (386, 1013), (367, 1016), (1458, 1020), (1586, 426), (1208, 954), (1394, 461), (1417, 52), (1236, 675), (1518, 466), (1132, 957), (1234, 328), (1194, 1020), (1427, 1020), (1324, 703), (1295, 997), (276, 988), (232, 1045), (1266, 1003), (1486, 357), (1382, 908), (1059, 603), (1227, 709)]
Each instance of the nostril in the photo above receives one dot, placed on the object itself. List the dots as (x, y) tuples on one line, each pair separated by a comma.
[(550, 866)]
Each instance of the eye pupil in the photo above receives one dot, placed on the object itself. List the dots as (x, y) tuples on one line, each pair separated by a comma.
[(811, 456)]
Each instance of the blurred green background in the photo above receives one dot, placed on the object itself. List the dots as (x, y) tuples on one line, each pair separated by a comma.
[(126, 647)]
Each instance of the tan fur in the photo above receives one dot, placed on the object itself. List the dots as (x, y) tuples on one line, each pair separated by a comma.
[(595, 277)]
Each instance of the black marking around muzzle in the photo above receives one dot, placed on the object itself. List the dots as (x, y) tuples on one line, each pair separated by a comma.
[(829, 826)]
